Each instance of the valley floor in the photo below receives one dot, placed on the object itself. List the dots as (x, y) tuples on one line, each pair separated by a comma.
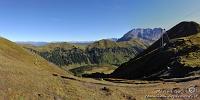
[(114, 89), (119, 89)]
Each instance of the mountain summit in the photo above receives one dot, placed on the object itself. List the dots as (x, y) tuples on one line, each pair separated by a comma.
[(179, 57), (148, 35), (184, 29)]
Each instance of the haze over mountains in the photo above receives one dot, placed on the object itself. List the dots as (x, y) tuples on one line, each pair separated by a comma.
[(32, 43), (147, 35)]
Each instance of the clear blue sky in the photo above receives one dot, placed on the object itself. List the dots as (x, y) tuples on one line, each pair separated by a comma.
[(84, 20)]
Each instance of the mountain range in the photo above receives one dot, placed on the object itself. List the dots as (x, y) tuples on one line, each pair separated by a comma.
[(100, 52), (32, 43), (147, 35), (110, 51), (175, 54)]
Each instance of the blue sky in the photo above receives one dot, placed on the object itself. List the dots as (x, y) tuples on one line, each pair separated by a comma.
[(84, 20)]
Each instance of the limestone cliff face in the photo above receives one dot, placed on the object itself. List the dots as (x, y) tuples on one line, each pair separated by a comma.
[(147, 35)]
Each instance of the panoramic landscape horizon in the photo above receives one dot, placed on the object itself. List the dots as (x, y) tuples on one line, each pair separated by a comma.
[(99, 50)]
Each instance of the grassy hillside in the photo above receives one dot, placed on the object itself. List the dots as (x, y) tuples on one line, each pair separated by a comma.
[(61, 54), (114, 53), (100, 52), (25, 74)]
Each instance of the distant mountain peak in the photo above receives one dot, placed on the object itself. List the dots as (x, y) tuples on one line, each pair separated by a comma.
[(144, 34)]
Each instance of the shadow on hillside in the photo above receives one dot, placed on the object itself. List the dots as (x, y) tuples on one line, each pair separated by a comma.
[(149, 80)]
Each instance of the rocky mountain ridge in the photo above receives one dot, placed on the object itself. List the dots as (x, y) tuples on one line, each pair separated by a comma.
[(147, 35), (179, 57)]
